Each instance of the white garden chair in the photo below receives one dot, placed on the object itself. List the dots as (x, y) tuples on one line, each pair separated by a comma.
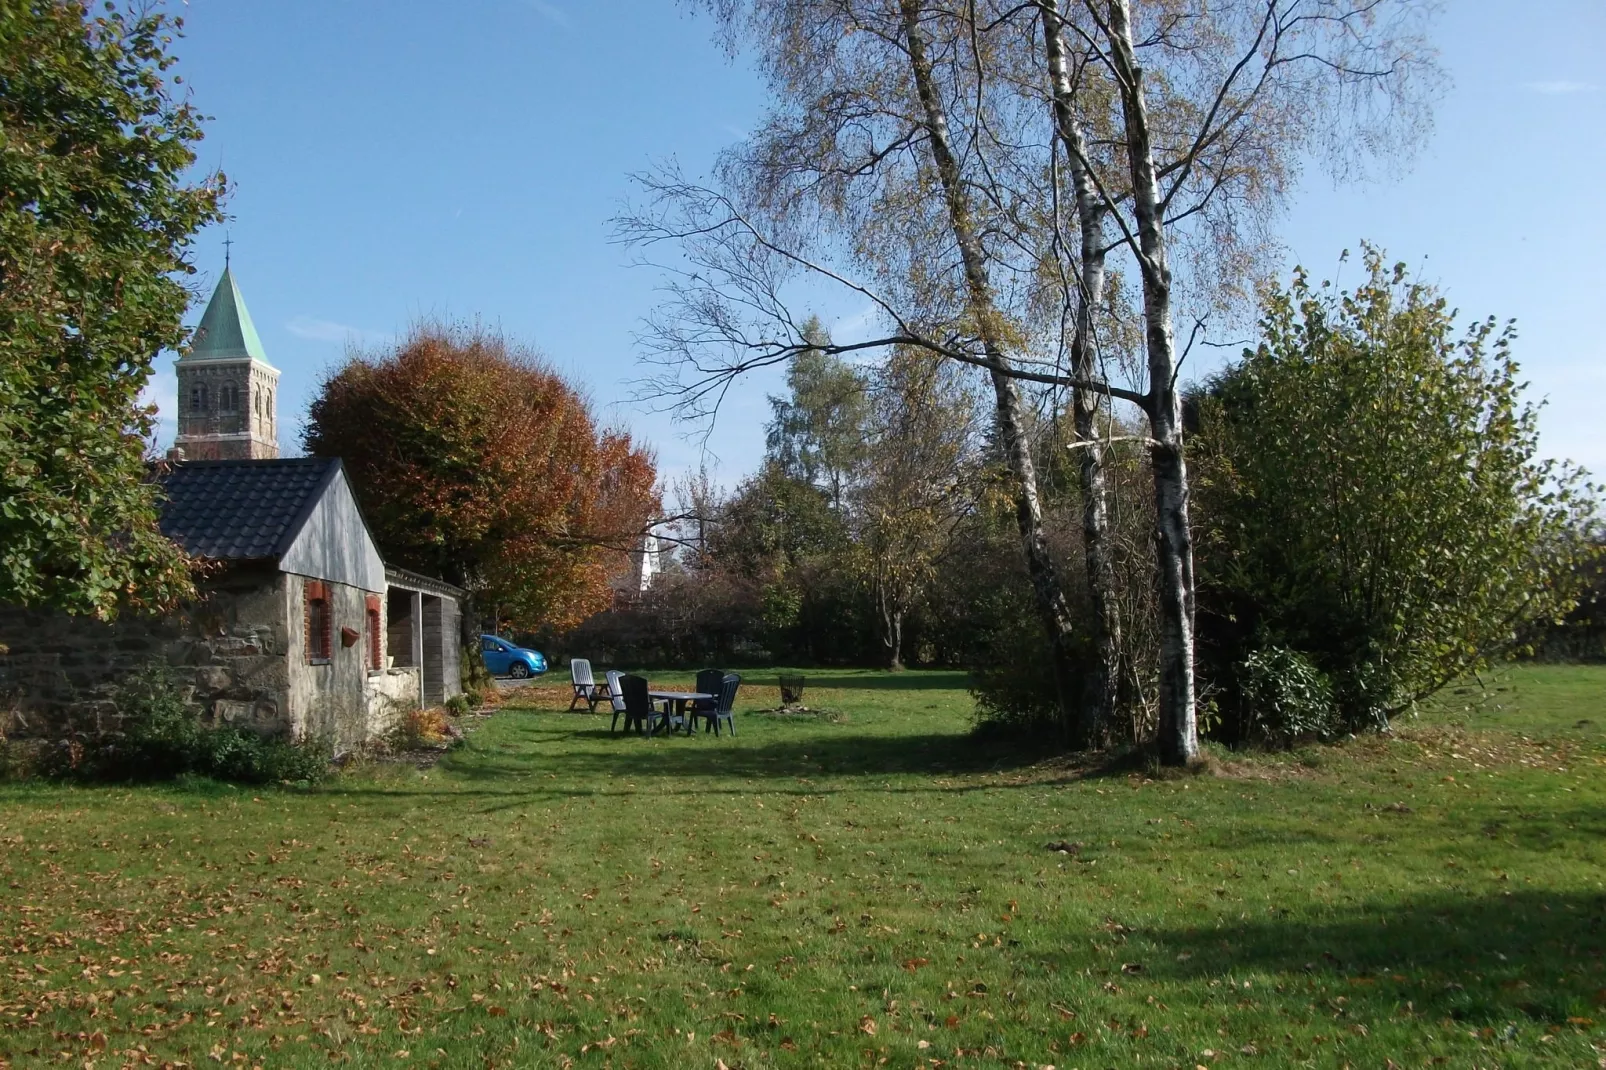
[(616, 695), (586, 689)]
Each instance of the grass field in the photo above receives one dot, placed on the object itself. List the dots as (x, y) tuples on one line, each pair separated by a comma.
[(871, 890)]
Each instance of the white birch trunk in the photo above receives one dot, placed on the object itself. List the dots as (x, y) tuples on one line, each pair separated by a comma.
[(1179, 737), (1102, 697), (1050, 595)]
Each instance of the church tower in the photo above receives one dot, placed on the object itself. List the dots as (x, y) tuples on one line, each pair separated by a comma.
[(226, 387)]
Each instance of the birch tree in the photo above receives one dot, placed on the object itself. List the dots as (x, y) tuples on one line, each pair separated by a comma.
[(905, 163), (1216, 101), (858, 163)]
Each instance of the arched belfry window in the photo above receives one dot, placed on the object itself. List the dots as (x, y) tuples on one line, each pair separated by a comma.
[(198, 398), (228, 398)]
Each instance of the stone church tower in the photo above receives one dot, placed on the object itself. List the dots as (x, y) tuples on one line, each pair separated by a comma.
[(226, 388)]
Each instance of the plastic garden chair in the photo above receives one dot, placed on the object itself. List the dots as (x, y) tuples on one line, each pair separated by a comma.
[(586, 688), (727, 700), (634, 703)]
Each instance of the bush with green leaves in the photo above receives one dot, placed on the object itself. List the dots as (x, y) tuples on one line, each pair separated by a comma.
[(1370, 493), (164, 738), (1285, 697)]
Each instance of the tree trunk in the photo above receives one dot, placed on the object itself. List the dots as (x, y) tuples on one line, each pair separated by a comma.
[(1179, 737), (890, 609), (476, 677), (1099, 706), (1049, 594)]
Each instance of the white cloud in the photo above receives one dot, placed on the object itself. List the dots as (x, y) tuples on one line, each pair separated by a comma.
[(551, 12), (1561, 88), (318, 330)]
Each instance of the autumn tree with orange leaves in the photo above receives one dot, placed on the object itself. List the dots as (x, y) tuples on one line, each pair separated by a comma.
[(475, 462)]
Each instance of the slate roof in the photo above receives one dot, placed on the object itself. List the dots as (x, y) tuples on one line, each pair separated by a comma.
[(242, 510)]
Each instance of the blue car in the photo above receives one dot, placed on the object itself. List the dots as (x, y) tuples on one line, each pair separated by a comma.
[(502, 658)]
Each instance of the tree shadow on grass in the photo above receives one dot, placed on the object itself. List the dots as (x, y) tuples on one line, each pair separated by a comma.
[(908, 680), (1514, 957), (838, 753), (838, 679)]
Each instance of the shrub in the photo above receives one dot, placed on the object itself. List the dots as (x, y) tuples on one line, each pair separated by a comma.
[(458, 705), (420, 728), (163, 738), (1371, 493), (1285, 697)]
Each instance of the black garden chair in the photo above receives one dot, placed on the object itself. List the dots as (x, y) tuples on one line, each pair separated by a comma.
[(634, 703), (722, 708)]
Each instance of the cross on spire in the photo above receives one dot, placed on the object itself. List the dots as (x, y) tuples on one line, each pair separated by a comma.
[(227, 241)]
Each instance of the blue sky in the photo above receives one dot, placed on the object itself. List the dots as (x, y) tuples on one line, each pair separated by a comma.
[(400, 160)]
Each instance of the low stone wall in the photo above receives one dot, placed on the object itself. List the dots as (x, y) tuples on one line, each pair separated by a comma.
[(390, 696), (59, 674)]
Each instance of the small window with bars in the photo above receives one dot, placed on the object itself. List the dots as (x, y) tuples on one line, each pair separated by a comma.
[(319, 622)]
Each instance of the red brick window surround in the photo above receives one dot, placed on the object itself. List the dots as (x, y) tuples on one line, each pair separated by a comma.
[(320, 624), (376, 649)]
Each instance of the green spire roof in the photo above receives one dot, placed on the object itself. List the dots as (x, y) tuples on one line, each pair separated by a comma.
[(226, 331)]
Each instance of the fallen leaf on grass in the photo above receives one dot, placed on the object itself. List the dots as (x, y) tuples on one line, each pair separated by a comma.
[(867, 1025), (914, 964)]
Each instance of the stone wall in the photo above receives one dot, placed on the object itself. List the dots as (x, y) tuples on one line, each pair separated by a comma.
[(60, 674), (239, 654), (388, 696)]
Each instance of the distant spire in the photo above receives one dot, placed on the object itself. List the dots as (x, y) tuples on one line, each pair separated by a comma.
[(226, 331)]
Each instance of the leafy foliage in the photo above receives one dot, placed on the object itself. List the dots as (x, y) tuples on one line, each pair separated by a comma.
[(96, 222), (920, 483), (1374, 498), (1285, 697), (420, 728), (818, 432), (475, 462)]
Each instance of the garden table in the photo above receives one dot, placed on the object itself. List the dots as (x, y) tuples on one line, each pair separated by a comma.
[(677, 700)]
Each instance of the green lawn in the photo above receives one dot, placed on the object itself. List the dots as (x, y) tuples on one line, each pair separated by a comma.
[(873, 890)]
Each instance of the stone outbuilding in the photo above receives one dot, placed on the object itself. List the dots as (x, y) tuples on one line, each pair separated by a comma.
[(300, 629)]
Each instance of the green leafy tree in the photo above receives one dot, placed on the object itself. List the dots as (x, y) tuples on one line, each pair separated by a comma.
[(1377, 498), (96, 221), (819, 431)]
